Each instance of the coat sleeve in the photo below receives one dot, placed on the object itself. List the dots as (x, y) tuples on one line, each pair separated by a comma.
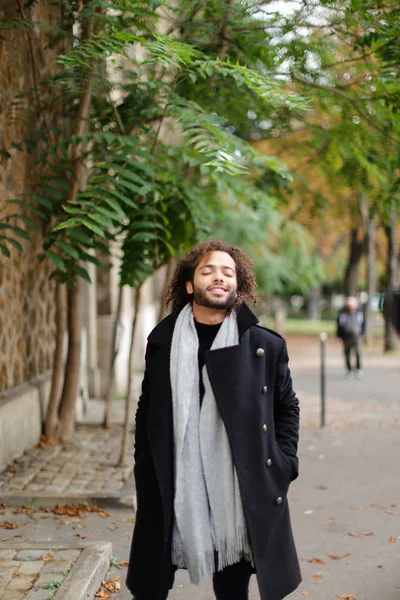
[(141, 437), (286, 410)]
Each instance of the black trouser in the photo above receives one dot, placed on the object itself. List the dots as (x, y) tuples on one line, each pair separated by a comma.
[(232, 583), (352, 343)]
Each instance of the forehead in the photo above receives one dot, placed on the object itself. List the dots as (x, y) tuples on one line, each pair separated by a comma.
[(217, 258)]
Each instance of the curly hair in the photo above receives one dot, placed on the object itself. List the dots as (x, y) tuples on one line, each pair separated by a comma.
[(246, 282)]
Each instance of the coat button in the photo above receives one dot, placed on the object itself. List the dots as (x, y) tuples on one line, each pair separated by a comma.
[(265, 389), (260, 352), (265, 427), (268, 463), (279, 501)]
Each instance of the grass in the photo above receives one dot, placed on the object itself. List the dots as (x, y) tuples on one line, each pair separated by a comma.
[(309, 327)]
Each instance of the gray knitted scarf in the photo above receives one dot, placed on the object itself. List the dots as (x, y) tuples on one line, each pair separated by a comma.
[(208, 511)]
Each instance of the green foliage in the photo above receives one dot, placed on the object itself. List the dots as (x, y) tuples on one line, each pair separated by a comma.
[(157, 155)]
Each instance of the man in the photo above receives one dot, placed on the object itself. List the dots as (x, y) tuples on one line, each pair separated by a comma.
[(217, 429), (350, 329)]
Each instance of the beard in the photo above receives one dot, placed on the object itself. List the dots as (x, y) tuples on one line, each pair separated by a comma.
[(202, 299)]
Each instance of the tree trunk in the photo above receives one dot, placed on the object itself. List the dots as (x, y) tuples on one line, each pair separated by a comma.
[(128, 403), (111, 370), (314, 303), (66, 423), (51, 423), (371, 280), (356, 250), (390, 338), (168, 276)]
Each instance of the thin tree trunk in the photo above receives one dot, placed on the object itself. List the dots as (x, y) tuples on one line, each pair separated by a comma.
[(390, 339), (356, 250), (168, 275), (66, 423), (51, 422), (314, 303), (371, 279), (77, 183), (111, 369), (128, 403)]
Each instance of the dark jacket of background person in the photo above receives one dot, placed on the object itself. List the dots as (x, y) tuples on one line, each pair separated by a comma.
[(350, 324), (396, 310), (261, 415)]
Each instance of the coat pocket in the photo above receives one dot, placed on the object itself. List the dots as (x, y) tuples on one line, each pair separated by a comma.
[(283, 461)]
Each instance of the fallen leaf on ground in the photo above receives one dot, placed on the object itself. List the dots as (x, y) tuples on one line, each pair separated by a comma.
[(394, 505), (388, 512), (317, 561), (369, 533), (329, 521), (305, 593), (317, 577), (381, 567), (48, 556), (11, 525), (70, 510), (123, 563), (45, 441), (308, 512), (339, 557), (351, 534), (392, 540), (80, 536), (112, 528), (346, 597), (112, 585), (398, 587), (378, 506), (102, 594), (4, 505), (356, 508)]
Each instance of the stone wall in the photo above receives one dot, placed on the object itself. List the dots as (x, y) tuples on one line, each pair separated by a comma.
[(26, 294)]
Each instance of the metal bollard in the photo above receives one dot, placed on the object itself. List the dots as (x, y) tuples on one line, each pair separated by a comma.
[(323, 337)]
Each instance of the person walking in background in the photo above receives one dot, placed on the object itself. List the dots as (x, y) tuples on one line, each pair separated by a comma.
[(217, 429), (350, 329)]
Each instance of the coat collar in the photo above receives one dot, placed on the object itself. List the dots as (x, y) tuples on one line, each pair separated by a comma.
[(162, 333)]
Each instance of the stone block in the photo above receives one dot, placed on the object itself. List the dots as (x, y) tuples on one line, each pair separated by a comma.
[(7, 554), (31, 555), (46, 578), (56, 566), (30, 567), (22, 583)]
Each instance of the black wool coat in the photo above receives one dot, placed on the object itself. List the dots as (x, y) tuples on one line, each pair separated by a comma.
[(253, 389)]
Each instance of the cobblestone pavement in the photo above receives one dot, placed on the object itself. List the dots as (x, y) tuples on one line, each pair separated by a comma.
[(32, 574), (87, 466)]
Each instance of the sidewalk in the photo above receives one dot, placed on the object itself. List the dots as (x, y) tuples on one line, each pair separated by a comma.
[(345, 505)]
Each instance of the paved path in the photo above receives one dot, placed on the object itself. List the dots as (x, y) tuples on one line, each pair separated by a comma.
[(345, 505), (87, 468)]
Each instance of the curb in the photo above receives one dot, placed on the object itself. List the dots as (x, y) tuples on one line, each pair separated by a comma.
[(86, 574), (126, 498)]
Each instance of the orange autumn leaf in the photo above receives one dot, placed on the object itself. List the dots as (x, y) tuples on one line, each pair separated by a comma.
[(123, 563), (392, 540), (351, 534), (316, 561), (369, 533), (305, 593), (317, 577), (339, 557), (346, 597), (356, 508)]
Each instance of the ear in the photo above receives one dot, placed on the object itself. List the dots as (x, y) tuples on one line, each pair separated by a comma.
[(189, 287)]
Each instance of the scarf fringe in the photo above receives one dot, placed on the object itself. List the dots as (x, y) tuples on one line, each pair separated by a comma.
[(232, 550), (199, 567)]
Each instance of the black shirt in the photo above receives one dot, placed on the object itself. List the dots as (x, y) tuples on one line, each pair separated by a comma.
[(206, 335)]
